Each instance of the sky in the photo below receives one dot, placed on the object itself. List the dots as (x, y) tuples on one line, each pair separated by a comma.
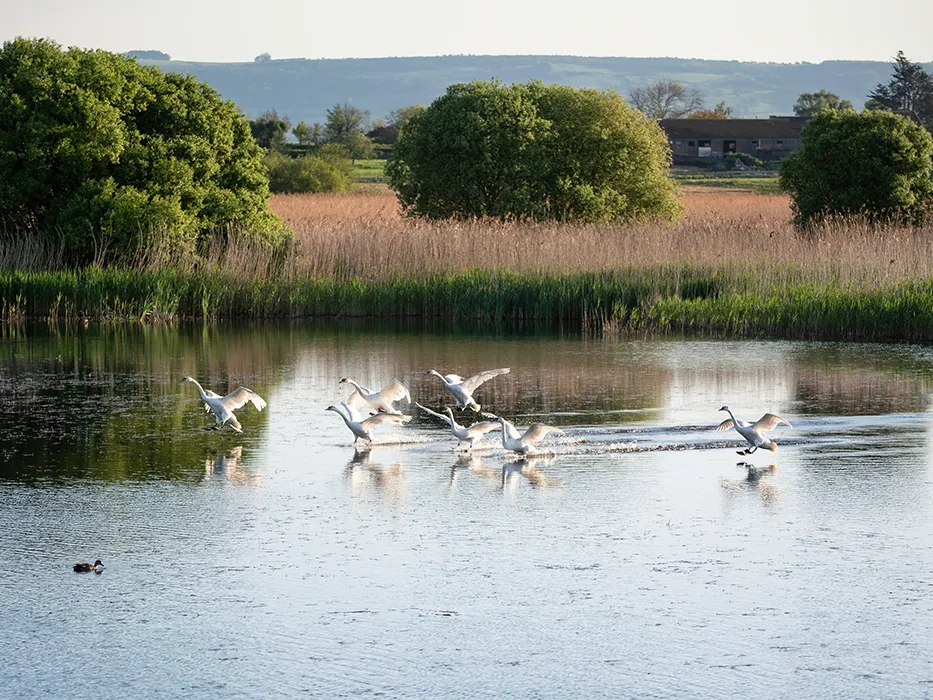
[(239, 30)]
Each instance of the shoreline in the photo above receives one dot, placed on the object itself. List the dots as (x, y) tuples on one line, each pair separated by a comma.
[(688, 300)]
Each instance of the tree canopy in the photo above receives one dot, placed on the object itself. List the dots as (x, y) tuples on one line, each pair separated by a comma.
[(871, 164), (910, 89), (105, 152), (344, 125), (666, 99), (484, 149), (720, 111), (810, 103), (270, 130)]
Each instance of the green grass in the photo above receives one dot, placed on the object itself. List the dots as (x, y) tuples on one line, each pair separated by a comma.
[(723, 301), (369, 170), (730, 182)]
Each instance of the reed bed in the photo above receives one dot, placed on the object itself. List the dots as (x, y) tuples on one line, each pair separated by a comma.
[(733, 267)]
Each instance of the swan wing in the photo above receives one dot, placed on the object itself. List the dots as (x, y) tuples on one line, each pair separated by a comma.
[(537, 431), (483, 427), (381, 418), (726, 424), (241, 396), (396, 391), (436, 415), (769, 421), (479, 378)]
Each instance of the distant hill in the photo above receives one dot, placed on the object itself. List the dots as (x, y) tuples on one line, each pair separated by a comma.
[(306, 88)]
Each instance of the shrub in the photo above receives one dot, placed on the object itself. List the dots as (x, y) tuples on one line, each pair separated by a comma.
[(108, 153), (308, 174), (489, 150), (872, 164)]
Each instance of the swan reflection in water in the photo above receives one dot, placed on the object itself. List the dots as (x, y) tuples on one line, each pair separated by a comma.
[(363, 473), (758, 478), (226, 464), (474, 464), (529, 467)]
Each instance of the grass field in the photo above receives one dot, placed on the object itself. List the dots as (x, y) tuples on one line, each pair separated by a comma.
[(733, 267), (369, 170)]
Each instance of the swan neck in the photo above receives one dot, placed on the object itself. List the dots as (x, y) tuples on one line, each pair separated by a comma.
[(200, 390)]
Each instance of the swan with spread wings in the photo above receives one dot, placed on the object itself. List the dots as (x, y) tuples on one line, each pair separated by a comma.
[(380, 401), (468, 435), (223, 406), (463, 389), (363, 428), (524, 442), (752, 432)]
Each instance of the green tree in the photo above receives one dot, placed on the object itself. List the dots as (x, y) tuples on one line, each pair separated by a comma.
[(344, 125), (873, 164), (107, 153), (308, 174), (270, 130), (810, 103), (910, 89), (489, 150), (666, 99), (308, 135)]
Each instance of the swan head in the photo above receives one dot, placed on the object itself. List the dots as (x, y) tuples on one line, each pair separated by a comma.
[(724, 408), (186, 379), (332, 408), (344, 380)]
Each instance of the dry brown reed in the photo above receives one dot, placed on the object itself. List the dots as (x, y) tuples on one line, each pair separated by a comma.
[(363, 235)]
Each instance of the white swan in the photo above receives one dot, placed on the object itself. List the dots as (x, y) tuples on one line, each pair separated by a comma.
[(463, 389), (468, 435), (363, 428), (223, 406), (380, 401), (753, 433), (511, 440)]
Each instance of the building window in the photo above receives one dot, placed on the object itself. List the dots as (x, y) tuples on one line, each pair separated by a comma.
[(780, 143), (691, 144), (704, 144), (755, 142)]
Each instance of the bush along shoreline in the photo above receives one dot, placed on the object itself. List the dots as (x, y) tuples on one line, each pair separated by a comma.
[(684, 299)]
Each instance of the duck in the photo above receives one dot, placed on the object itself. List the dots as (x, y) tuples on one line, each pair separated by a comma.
[(753, 432), (463, 389), (223, 406), (83, 567)]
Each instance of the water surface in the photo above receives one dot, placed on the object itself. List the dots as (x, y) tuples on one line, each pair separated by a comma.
[(639, 557)]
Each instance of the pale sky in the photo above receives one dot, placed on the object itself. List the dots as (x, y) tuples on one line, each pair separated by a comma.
[(238, 30)]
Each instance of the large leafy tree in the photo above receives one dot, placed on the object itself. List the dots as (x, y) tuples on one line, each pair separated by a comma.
[(871, 164), (489, 150), (666, 99), (810, 103), (108, 153), (910, 89)]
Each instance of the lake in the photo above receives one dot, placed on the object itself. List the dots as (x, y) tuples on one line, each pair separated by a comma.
[(639, 557)]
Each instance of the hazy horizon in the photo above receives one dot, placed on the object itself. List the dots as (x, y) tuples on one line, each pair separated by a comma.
[(724, 30)]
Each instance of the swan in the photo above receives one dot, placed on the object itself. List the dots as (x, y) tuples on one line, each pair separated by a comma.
[(463, 389), (465, 435), (380, 401), (83, 567), (753, 433), (223, 406), (363, 428), (511, 440)]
